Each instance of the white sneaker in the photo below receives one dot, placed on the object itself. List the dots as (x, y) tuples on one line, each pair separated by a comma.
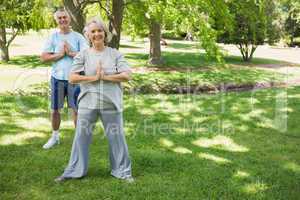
[(51, 142)]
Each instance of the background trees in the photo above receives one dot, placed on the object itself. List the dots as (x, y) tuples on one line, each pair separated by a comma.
[(16, 17), (290, 11), (247, 24), (251, 25)]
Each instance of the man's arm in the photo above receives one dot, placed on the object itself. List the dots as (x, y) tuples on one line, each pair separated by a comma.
[(68, 51), (48, 57)]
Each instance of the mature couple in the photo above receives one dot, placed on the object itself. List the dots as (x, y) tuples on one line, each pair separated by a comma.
[(99, 70)]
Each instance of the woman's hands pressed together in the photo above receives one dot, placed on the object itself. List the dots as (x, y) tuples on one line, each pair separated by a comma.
[(99, 72)]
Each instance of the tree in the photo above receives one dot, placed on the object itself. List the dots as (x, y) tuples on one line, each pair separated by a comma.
[(273, 20), (145, 18), (291, 19), (18, 16), (75, 9), (249, 27), (112, 8), (179, 16)]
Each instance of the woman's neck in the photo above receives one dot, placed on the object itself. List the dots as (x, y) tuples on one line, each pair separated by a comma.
[(98, 47)]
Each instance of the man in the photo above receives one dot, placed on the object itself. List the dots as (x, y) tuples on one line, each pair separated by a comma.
[(61, 47)]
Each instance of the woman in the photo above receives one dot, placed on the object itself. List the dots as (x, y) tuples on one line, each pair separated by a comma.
[(99, 71)]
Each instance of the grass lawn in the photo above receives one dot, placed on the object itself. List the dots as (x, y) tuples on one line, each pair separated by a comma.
[(224, 146)]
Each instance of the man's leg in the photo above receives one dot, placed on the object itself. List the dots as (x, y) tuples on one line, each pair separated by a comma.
[(74, 115), (57, 102), (72, 95), (55, 120)]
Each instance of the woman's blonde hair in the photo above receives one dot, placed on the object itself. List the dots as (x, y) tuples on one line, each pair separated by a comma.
[(100, 23)]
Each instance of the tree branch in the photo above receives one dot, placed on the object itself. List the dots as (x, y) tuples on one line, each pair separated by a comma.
[(14, 34)]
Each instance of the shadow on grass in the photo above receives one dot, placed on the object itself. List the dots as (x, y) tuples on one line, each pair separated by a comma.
[(129, 46), (31, 62), (177, 45)]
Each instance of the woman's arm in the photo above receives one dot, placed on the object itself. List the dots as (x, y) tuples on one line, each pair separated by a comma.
[(121, 77)]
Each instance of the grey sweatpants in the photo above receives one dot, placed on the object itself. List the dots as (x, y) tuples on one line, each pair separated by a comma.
[(118, 151)]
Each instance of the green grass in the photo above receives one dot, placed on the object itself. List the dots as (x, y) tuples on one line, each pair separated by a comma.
[(194, 60), (32, 61), (224, 146)]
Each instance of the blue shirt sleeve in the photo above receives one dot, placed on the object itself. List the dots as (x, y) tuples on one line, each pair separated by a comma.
[(83, 44), (49, 46)]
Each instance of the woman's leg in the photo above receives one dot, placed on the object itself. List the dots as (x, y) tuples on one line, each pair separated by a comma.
[(118, 151), (78, 164)]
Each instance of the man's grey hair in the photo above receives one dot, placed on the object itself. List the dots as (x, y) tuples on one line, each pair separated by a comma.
[(100, 23), (58, 11)]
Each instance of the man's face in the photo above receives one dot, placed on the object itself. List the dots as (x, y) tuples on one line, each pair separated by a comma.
[(63, 20)]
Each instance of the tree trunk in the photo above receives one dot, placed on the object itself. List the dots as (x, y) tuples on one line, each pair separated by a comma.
[(116, 22), (3, 47), (76, 14), (247, 51), (292, 41), (155, 51)]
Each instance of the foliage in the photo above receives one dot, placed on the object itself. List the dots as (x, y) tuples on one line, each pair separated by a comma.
[(249, 26), (291, 19), (16, 17)]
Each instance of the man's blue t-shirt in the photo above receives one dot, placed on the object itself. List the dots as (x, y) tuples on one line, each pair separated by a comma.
[(61, 68)]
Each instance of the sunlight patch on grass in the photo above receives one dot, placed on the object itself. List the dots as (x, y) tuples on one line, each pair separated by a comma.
[(254, 113), (242, 128), (253, 188), (182, 150), (294, 96), (214, 158), (20, 138), (266, 123), (147, 111), (292, 166), (166, 142), (200, 119), (220, 142), (37, 122), (241, 174)]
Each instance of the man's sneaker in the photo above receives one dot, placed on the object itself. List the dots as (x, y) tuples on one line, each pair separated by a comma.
[(51, 142)]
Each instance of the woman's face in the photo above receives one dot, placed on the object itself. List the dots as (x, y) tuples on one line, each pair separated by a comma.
[(96, 34)]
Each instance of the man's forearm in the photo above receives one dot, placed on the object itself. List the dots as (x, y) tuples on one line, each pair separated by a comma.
[(47, 57)]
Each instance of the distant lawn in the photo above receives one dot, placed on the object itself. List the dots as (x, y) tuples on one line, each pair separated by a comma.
[(172, 59), (225, 146), (194, 60)]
